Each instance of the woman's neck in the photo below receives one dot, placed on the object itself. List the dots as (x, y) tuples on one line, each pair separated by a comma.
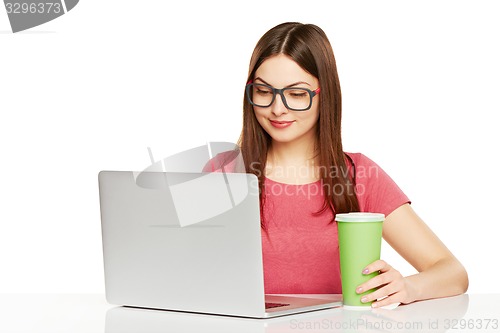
[(292, 163), (292, 152)]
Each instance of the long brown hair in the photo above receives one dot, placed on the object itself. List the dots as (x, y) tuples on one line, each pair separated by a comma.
[(309, 47)]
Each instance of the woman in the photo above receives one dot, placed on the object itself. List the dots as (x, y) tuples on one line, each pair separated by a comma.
[(291, 139)]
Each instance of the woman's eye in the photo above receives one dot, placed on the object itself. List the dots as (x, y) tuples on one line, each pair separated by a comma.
[(263, 92), (298, 94)]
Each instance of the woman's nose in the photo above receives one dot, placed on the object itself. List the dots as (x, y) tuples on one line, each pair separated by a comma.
[(278, 107)]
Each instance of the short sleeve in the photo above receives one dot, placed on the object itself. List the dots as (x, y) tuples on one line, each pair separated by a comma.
[(375, 189)]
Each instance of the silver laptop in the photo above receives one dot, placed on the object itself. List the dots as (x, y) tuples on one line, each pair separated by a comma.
[(188, 242)]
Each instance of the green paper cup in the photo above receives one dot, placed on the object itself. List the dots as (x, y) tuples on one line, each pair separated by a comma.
[(360, 238)]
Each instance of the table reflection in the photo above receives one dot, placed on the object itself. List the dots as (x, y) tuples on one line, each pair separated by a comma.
[(424, 316)]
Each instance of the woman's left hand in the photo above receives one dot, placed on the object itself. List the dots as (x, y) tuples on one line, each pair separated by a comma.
[(390, 285)]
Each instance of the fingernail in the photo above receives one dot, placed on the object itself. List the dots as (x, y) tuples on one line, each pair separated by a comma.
[(363, 300), (374, 305), (365, 271), (359, 290)]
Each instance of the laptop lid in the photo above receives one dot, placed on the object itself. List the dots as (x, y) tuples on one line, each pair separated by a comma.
[(181, 241)]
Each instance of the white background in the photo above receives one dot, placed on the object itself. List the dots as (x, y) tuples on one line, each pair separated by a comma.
[(94, 88)]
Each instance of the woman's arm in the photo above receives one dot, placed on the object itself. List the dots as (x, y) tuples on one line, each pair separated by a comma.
[(440, 273)]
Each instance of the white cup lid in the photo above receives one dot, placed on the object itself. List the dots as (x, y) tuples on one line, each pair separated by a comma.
[(360, 217)]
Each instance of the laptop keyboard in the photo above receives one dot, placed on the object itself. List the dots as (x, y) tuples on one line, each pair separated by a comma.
[(275, 305)]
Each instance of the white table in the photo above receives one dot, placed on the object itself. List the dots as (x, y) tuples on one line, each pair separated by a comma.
[(90, 313)]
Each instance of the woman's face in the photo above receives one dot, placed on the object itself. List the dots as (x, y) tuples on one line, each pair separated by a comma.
[(281, 124)]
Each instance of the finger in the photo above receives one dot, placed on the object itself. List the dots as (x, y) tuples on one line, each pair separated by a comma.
[(393, 299), (377, 281), (373, 283), (387, 290), (379, 265)]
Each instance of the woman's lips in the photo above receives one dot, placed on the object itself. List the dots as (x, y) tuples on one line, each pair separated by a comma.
[(280, 123)]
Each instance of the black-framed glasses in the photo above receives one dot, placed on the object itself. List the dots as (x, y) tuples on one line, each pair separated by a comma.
[(294, 98)]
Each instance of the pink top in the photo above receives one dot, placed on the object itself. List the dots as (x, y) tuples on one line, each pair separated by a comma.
[(300, 250)]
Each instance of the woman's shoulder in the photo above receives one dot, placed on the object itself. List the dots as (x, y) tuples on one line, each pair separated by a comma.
[(359, 159), (375, 189), (227, 161), (365, 167)]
